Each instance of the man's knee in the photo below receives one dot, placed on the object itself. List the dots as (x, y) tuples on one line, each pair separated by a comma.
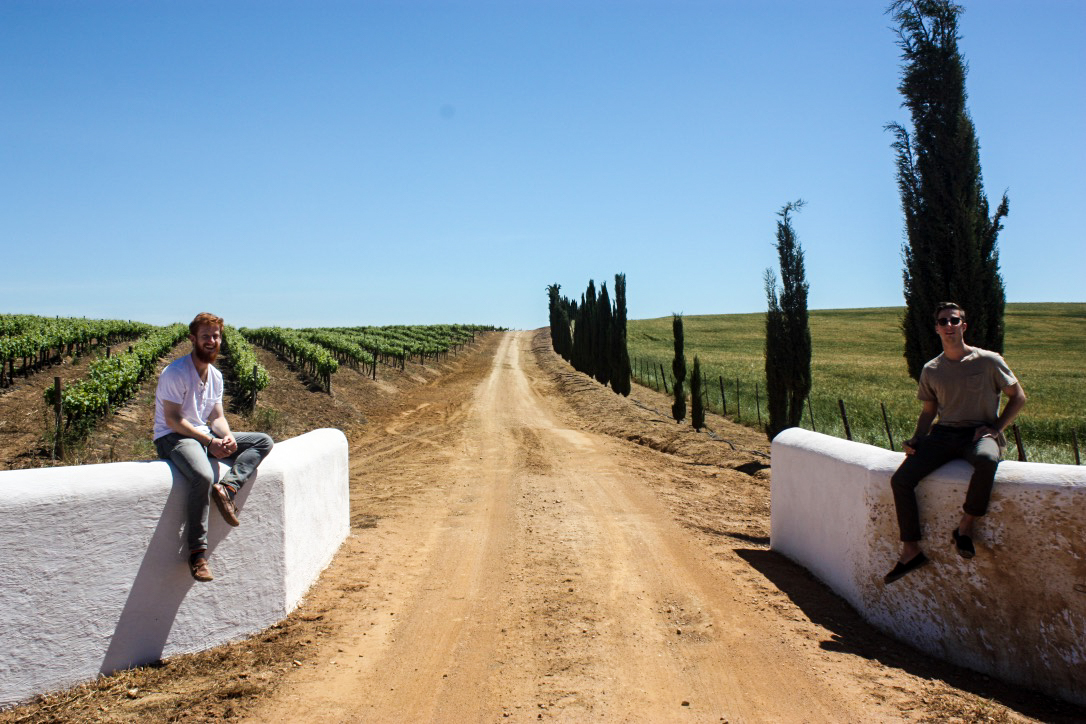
[(260, 442), (902, 480), (191, 460), (985, 458), (200, 477)]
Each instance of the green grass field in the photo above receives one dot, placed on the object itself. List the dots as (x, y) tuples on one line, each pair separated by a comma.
[(857, 357)]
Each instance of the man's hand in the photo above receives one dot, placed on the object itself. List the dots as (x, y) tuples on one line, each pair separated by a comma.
[(909, 446), (223, 447), (216, 448)]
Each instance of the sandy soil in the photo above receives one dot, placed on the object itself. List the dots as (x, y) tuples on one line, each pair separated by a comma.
[(526, 545)]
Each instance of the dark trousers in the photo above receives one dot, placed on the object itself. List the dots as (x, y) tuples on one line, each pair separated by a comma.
[(932, 451)]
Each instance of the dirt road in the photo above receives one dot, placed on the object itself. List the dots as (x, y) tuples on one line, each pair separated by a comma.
[(527, 545), (535, 575)]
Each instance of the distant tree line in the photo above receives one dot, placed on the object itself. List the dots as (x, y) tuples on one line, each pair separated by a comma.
[(591, 335)]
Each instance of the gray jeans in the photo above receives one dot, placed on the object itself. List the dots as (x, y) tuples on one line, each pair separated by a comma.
[(195, 464)]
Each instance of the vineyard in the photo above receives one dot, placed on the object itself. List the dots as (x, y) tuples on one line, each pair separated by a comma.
[(37, 342), (30, 345)]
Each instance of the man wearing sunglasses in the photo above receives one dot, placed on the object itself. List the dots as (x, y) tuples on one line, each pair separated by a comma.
[(961, 388)]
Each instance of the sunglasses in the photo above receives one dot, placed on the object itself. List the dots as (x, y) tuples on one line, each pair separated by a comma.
[(952, 321)]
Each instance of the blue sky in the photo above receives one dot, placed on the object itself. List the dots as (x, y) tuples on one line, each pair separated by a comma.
[(328, 163)]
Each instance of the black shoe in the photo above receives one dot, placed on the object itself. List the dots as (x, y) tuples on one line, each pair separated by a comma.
[(900, 569), (963, 543)]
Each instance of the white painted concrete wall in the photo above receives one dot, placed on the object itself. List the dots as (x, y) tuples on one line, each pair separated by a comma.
[(1017, 611), (94, 574)]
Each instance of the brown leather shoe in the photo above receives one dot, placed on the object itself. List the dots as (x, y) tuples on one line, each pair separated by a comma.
[(225, 504), (200, 570)]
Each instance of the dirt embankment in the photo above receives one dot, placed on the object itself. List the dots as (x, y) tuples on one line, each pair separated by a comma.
[(527, 545)]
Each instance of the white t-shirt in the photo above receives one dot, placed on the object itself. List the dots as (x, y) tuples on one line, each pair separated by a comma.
[(180, 383)]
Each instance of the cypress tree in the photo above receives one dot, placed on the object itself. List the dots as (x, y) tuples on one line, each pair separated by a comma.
[(602, 352), (697, 408), (588, 314), (580, 338), (788, 333), (678, 369), (555, 309), (621, 373), (564, 337), (950, 253)]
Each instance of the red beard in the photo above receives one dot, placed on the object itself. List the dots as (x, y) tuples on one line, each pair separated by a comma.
[(204, 356)]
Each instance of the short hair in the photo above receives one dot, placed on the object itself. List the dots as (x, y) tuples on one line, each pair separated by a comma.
[(205, 318), (943, 306)]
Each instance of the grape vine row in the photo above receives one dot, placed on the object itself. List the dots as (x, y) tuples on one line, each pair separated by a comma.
[(250, 375), (37, 341), (314, 360), (112, 380)]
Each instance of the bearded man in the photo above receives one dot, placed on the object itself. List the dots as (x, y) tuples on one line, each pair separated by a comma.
[(191, 429)]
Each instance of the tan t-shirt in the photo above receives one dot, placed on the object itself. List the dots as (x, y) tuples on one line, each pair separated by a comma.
[(966, 390)]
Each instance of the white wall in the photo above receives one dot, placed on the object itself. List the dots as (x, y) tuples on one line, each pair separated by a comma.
[(94, 563), (1016, 611)]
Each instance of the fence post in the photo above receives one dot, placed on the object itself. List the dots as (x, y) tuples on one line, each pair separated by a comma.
[(1074, 444), (723, 402), (704, 392), (663, 378), (844, 418), (58, 409), (810, 411), (758, 404), (375, 358), (886, 422), (738, 409), (1018, 442)]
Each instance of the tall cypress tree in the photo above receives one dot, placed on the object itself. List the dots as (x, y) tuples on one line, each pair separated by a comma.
[(555, 309), (678, 369), (950, 253), (776, 377), (697, 406), (620, 364), (580, 337), (564, 338), (588, 314), (788, 332), (603, 336)]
